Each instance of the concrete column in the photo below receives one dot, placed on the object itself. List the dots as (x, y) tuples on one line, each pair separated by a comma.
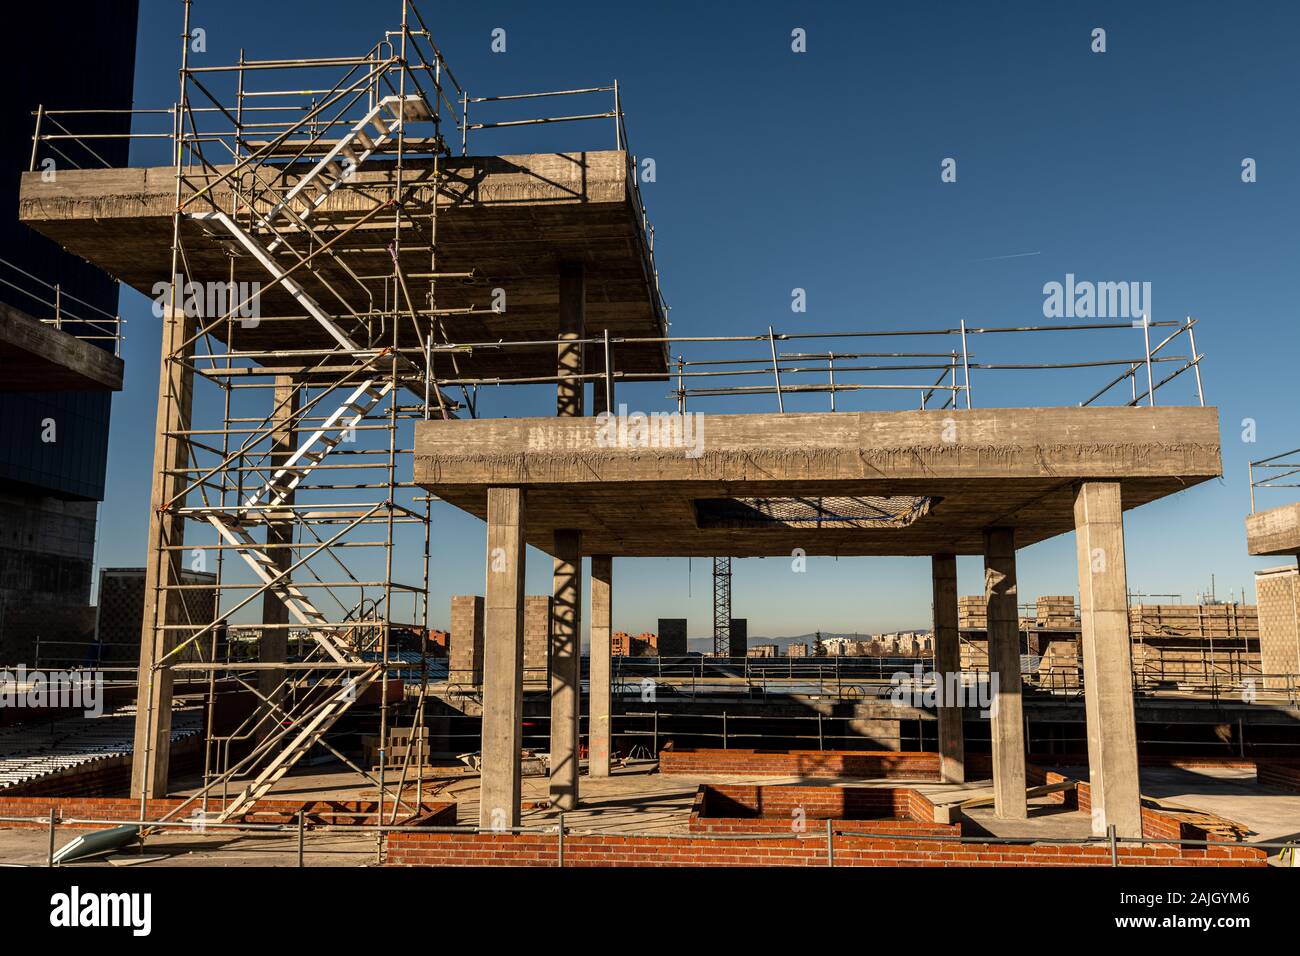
[(1007, 722), (566, 670), (153, 722), (599, 701), (572, 325), (503, 659), (1107, 659), (566, 630), (274, 645), (947, 665)]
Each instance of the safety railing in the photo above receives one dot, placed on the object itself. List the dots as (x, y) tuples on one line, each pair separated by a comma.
[(1276, 471), (839, 365), (51, 304), (632, 166)]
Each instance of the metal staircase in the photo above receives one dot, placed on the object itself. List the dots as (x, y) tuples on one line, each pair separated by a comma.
[(320, 443), (375, 130), (339, 701), (263, 255)]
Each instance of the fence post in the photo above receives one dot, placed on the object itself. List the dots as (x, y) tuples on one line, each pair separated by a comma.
[(49, 860), (1114, 847), (830, 842), (559, 845), (301, 846)]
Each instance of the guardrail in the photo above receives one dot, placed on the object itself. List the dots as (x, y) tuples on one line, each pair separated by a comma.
[(51, 304), (1275, 469), (825, 835)]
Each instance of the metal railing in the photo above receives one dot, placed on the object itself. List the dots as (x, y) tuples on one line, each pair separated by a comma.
[(823, 835), (1275, 470), (631, 164), (51, 304)]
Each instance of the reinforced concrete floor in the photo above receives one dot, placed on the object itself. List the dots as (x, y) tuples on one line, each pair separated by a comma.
[(638, 799)]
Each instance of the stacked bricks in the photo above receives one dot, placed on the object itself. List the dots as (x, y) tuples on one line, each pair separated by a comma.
[(1195, 620), (465, 660), (539, 609), (879, 764), (1278, 593), (1056, 611), (972, 613), (672, 637)]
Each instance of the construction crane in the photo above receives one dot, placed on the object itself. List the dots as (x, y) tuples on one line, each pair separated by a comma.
[(722, 607)]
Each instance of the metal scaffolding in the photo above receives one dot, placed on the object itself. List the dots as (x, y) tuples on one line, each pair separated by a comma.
[(283, 434)]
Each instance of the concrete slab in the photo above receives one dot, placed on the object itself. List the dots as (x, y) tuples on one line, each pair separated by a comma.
[(1276, 531), (510, 219), (35, 357), (977, 468)]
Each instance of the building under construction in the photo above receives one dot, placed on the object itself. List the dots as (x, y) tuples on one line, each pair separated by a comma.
[(340, 275)]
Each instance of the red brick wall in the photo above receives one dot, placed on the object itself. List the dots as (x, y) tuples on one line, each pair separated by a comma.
[(527, 849), (884, 764), (779, 809)]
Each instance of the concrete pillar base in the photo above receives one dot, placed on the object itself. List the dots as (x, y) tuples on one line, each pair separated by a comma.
[(566, 672), (1007, 725), (503, 660), (947, 663), (1107, 659)]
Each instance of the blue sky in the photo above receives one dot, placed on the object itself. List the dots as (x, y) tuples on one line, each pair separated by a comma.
[(821, 171)]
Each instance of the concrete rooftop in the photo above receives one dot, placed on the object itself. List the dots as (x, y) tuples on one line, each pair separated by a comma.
[(981, 468), (511, 219), (35, 357)]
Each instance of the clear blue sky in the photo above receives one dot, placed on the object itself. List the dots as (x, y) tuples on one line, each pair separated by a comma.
[(820, 170)]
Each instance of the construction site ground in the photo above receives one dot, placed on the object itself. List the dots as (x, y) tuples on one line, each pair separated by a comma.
[(637, 799)]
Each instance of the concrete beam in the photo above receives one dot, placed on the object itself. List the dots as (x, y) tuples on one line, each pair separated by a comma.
[(599, 699), (510, 219), (163, 604), (1107, 659), (36, 357), (1007, 725), (503, 659), (566, 670), (1274, 532), (947, 663), (1017, 464)]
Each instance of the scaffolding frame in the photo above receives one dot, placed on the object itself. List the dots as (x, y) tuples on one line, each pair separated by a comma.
[(303, 523), (252, 163)]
